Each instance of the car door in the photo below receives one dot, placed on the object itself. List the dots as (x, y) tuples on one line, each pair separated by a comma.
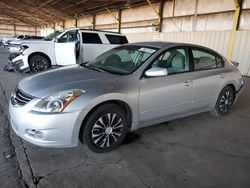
[(170, 95), (92, 46), (65, 49), (207, 72)]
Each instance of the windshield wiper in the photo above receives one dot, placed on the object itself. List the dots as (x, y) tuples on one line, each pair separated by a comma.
[(114, 72), (88, 66)]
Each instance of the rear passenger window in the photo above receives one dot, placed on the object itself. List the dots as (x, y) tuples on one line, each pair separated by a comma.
[(204, 60), (219, 62), (91, 38), (115, 39)]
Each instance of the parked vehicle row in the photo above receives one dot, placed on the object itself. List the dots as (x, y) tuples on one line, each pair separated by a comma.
[(14, 44), (122, 90), (7, 41)]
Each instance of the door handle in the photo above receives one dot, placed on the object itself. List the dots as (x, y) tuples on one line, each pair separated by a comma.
[(188, 82), (222, 75)]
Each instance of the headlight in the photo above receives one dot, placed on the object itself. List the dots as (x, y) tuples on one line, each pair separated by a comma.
[(241, 81), (57, 102), (23, 48)]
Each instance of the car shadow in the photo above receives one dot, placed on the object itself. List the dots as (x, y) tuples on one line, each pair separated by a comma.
[(131, 137)]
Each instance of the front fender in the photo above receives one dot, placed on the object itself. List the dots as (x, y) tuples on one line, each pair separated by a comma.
[(46, 48), (132, 103)]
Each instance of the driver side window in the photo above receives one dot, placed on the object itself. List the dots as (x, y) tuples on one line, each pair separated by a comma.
[(68, 37), (174, 60)]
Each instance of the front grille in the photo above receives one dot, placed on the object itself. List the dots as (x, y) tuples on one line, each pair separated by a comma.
[(18, 64), (20, 98)]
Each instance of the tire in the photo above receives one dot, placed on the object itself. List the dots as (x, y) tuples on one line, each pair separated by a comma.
[(224, 102), (102, 131), (39, 63)]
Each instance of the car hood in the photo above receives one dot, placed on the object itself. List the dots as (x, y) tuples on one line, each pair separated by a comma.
[(70, 77), (26, 41), (36, 41)]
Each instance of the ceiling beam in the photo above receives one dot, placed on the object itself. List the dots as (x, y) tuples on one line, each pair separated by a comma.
[(29, 11), (100, 6), (15, 18), (22, 14), (47, 12), (74, 4), (45, 3)]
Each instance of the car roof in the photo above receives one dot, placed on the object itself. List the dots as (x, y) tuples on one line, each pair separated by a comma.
[(93, 30), (163, 44)]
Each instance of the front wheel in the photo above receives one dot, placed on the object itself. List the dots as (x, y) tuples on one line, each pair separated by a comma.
[(39, 63), (106, 128), (224, 101)]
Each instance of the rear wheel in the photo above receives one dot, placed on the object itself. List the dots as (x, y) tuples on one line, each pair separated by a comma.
[(39, 63), (224, 101), (106, 128)]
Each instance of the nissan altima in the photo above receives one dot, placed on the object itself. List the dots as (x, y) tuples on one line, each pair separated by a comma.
[(126, 88)]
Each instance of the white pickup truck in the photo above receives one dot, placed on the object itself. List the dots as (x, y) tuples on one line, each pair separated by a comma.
[(66, 47)]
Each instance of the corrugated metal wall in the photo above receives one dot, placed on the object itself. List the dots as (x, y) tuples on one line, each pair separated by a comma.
[(217, 40), (241, 51), (9, 30)]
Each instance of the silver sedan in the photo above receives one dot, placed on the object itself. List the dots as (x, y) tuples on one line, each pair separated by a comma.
[(124, 89)]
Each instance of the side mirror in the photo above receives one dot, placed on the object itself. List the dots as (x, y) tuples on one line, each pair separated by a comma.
[(235, 63), (56, 39), (156, 72)]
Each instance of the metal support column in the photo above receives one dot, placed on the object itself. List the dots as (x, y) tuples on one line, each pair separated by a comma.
[(159, 20), (116, 19), (76, 22), (119, 20), (195, 16), (94, 21), (14, 28), (63, 25), (234, 28), (90, 21), (161, 8)]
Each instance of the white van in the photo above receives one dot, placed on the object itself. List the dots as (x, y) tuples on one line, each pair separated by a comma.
[(66, 47)]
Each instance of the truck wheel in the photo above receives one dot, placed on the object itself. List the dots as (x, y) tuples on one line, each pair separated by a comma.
[(39, 63)]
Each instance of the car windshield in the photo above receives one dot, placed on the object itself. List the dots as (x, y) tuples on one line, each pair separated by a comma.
[(122, 60), (51, 36)]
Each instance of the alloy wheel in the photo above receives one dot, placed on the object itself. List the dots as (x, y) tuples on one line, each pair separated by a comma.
[(107, 130), (39, 65), (226, 101)]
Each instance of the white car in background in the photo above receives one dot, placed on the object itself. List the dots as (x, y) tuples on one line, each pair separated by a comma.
[(66, 47), (6, 41)]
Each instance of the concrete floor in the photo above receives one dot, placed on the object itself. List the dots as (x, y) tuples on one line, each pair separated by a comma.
[(198, 151)]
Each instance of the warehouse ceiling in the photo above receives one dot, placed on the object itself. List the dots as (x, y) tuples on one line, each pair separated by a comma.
[(43, 12)]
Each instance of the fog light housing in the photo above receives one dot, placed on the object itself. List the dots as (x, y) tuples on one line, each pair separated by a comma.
[(35, 133)]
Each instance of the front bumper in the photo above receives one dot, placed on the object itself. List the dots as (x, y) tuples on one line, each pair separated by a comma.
[(13, 55), (241, 87), (21, 63), (43, 129)]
